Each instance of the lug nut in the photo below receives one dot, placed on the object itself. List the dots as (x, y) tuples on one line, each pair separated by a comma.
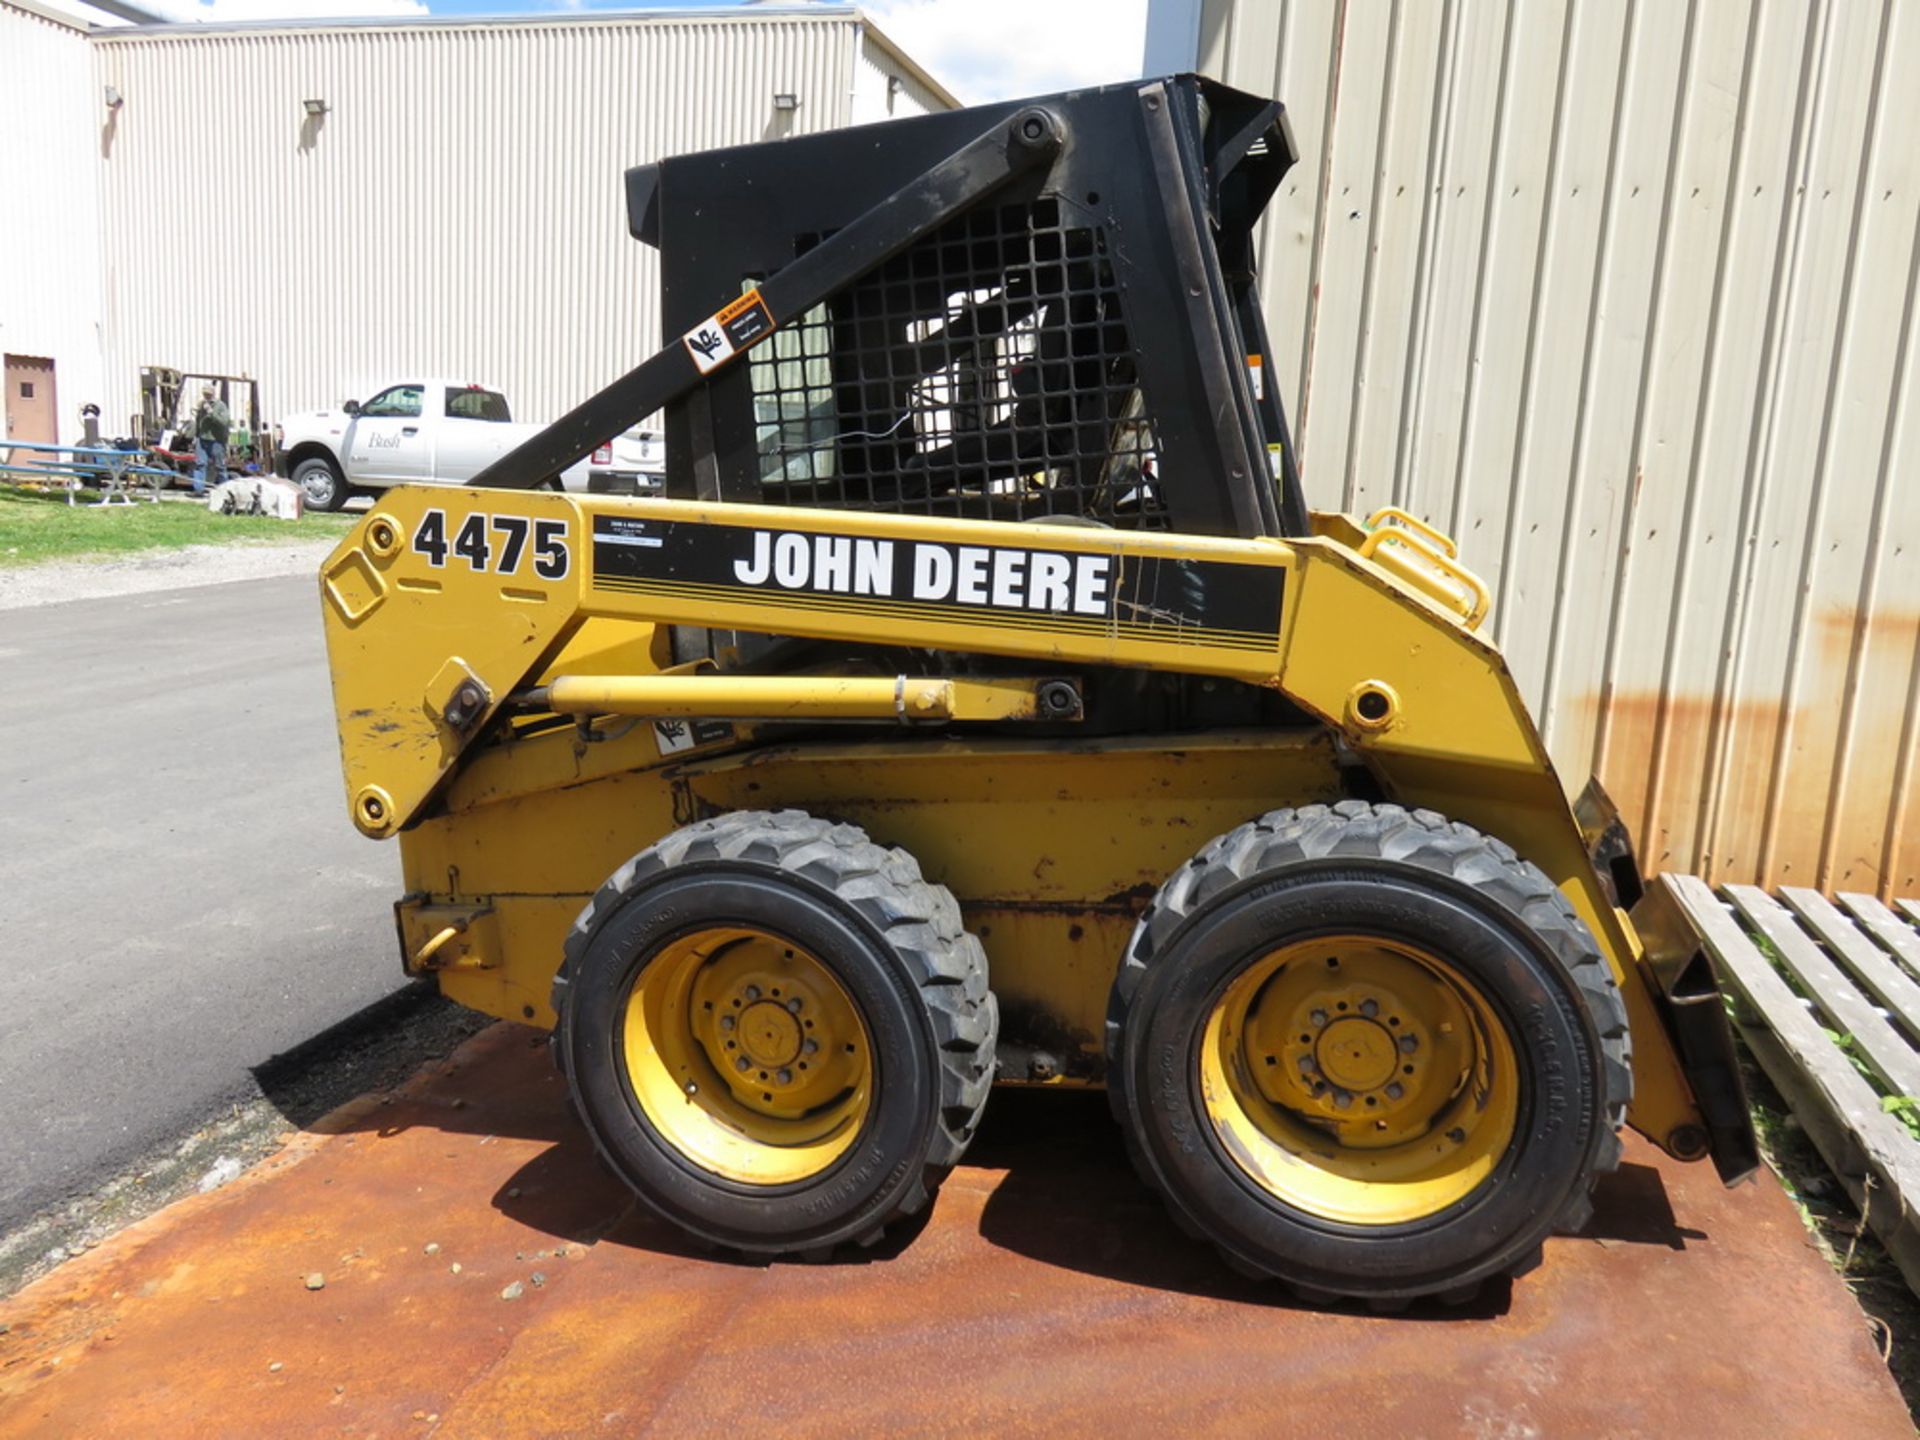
[(785, 1077), (1395, 1091), (1408, 1044), (742, 1065), (1369, 1008), (752, 992), (793, 1005), (1306, 1065), (811, 1047), (1318, 1017), (726, 1022), (1341, 1100)]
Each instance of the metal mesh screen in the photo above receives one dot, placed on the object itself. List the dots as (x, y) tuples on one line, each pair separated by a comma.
[(985, 372)]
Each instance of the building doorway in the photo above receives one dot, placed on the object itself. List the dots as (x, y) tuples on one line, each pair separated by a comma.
[(31, 412)]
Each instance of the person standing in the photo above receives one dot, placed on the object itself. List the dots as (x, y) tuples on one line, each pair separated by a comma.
[(210, 425)]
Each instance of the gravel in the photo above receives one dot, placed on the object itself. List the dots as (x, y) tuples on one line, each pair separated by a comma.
[(145, 571)]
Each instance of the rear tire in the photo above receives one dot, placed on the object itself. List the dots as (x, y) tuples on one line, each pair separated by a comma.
[(321, 483), (776, 1032), (1369, 1052)]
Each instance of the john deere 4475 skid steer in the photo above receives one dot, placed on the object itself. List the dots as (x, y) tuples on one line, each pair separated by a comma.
[(982, 703)]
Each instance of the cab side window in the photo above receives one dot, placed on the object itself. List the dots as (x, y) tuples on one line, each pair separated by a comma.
[(473, 404), (402, 401)]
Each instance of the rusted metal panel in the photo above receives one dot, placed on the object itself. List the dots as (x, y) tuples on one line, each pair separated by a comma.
[(1046, 1294), (1623, 296)]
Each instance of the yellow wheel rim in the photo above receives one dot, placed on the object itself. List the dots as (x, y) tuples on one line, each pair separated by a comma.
[(1359, 1080), (748, 1056)]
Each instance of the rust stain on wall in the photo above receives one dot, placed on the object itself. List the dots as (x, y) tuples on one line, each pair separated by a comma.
[(1761, 791)]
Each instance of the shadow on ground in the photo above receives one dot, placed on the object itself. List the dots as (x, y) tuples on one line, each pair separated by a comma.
[(1064, 1194)]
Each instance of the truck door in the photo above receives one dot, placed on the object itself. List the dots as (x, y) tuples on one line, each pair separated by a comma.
[(474, 432), (389, 441)]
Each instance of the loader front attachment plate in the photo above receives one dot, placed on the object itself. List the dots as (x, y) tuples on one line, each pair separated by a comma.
[(1694, 1012), (1692, 1008)]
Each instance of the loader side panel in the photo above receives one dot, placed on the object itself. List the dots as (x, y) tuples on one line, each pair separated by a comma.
[(1052, 850)]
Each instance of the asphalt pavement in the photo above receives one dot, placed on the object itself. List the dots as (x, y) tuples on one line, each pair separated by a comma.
[(182, 895)]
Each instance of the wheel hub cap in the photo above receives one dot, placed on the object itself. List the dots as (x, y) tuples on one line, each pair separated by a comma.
[(768, 1034), (1356, 1054)]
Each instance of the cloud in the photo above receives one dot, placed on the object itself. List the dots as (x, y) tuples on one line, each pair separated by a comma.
[(999, 49)]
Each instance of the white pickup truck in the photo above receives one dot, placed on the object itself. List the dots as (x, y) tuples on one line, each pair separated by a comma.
[(422, 432)]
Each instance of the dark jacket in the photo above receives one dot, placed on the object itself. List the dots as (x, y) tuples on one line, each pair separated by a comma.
[(210, 421)]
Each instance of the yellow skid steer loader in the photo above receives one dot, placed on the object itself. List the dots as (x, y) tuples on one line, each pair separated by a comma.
[(982, 703)]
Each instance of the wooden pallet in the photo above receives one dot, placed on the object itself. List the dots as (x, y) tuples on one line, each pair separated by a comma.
[(1854, 969)]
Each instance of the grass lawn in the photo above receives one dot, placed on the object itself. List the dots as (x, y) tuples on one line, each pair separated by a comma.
[(37, 525)]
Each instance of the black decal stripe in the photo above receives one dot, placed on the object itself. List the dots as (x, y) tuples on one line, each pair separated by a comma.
[(984, 614), (1133, 630), (1172, 596)]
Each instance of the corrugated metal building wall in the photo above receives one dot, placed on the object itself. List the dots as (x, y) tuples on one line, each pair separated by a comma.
[(1622, 293), (883, 89), (50, 241), (457, 210)]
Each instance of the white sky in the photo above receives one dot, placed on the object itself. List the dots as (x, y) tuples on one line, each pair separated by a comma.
[(998, 49)]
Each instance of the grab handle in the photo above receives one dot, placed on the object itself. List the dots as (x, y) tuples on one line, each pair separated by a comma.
[(1394, 515), (1428, 564)]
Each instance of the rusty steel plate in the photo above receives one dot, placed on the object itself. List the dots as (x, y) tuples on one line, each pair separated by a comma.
[(1046, 1293)]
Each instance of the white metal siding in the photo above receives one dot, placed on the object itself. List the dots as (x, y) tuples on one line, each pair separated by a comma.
[(1623, 294), (458, 211), (52, 118), (885, 89)]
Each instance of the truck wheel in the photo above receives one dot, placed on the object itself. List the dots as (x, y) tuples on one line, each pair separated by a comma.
[(1368, 1051), (776, 1031), (320, 482)]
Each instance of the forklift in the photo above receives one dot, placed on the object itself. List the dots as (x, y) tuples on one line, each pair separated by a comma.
[(167, 400)]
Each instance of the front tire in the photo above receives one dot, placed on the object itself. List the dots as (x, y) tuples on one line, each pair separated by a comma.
[(1369, 1052), (776, 1031), (321, 483)]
